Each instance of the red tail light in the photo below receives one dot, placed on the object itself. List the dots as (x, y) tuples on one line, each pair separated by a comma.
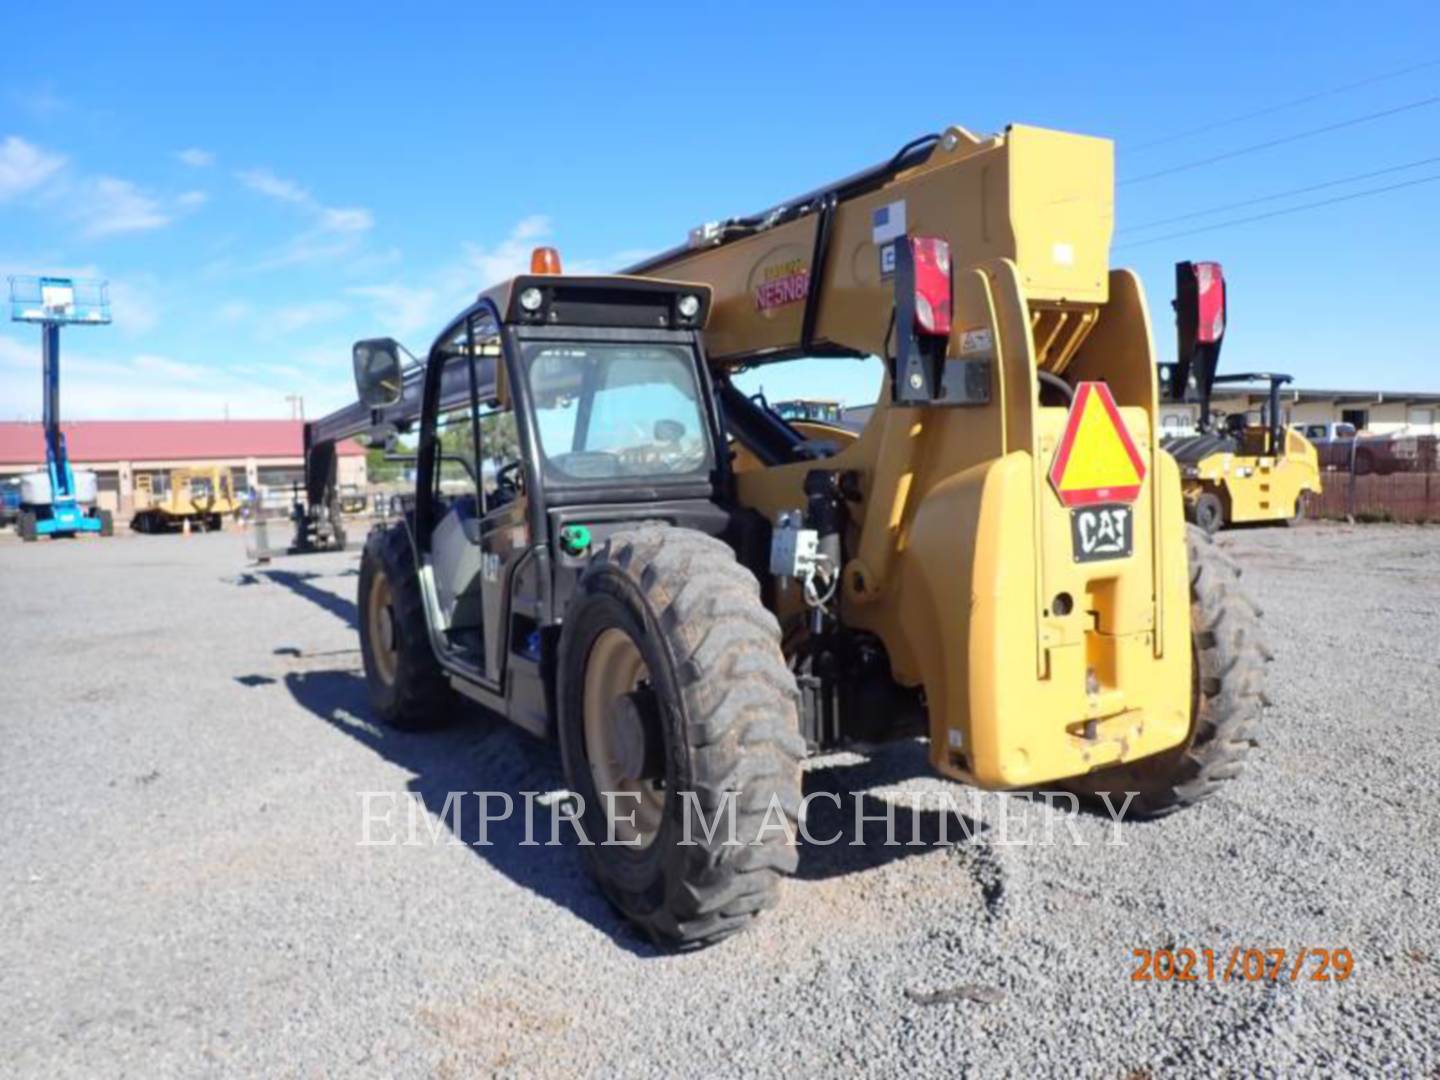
[(1209, 302), (932, 284)]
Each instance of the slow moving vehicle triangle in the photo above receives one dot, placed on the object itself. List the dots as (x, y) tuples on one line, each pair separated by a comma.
[(1097, 460)]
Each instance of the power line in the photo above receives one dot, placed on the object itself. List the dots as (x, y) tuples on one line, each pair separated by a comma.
[(1272, 109), (1422, 103), (1286, 210), (1279, 195)]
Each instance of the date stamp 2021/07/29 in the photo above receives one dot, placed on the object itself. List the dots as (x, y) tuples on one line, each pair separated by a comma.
[(1242, 964)]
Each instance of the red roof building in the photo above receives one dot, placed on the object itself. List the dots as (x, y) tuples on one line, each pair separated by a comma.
[(260, 453)]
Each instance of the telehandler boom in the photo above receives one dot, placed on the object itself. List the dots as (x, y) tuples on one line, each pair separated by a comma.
[(612, 544)]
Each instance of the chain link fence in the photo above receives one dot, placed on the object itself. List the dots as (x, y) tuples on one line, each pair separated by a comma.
[(1390, 478)]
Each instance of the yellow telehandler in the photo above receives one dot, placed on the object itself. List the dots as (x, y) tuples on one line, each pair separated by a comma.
[(614, 546)]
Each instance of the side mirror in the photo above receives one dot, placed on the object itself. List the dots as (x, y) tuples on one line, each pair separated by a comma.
[(379, 378)]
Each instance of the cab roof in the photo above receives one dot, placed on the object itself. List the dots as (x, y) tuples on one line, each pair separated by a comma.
[(604, 300)]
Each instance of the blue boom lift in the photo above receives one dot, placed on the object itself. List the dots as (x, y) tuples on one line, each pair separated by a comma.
[(49, 502)]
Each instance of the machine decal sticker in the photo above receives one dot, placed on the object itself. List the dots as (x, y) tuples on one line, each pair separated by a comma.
[(887, 222), (1102, 532), (975, 340), (784, 283)]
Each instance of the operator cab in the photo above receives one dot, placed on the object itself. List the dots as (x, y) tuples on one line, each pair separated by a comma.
[(555, 409)]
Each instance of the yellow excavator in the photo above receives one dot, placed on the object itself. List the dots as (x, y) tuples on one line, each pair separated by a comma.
[(1244, 468), (614, 546)]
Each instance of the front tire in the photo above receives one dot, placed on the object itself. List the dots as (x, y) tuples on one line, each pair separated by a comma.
[(107, 523), (408, 688), (1209, 513), (26, 527), (673, 691), (1227, 695)]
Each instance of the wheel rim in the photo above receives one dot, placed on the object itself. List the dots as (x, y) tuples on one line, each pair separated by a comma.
[(381, 616), (613, 669)]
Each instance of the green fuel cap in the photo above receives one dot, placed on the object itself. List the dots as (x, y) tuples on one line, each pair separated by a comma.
[(574, 539)]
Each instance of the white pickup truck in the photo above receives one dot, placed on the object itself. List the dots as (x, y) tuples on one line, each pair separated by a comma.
[(1340, 447)]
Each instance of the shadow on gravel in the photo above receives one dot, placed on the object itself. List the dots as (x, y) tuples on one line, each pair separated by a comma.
[(483, 753), (299, 583)]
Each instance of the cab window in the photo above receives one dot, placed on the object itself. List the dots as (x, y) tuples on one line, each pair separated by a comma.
[(609, 411)]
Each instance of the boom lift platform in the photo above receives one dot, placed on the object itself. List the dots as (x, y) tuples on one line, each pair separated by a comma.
[(58, 501), (612, 545), (1236, 469)]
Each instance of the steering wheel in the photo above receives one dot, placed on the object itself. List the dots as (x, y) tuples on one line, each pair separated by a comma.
[(507, 480)]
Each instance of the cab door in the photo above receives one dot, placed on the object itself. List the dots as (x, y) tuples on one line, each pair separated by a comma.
[(504, 528)]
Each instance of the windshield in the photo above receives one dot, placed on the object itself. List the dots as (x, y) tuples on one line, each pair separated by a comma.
[(608, 411)]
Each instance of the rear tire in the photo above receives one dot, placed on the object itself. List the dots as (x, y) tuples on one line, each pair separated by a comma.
[(1209, 513), (26, 527), (107, 523), (408, 688), (1227, 695), (719, 719)]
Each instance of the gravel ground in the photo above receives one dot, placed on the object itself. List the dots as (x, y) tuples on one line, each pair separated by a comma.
[(184, 742)]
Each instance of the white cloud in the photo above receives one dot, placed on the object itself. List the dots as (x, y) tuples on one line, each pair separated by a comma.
[(509, 257), (13, 354), (189, 200), (159, 387), (287, 320), (400, 310), (343, 219), (346, 219), (109, 206), (166, 368), (24, 167), (43, 103), (196, 158), (134, 304), (335, 231), (274, 187)]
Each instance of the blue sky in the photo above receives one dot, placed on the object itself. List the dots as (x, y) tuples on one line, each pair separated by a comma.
[(266, 183)]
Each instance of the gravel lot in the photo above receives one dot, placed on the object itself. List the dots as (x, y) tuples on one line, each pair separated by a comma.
[(183, 743)]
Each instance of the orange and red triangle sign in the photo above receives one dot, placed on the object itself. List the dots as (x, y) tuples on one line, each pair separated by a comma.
[(1097, 461)]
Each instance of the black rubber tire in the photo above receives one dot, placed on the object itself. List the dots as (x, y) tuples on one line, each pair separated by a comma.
[(25, 526), (420, 698), (1209, 513), (107, 523), (1302, 505), (1228, 691), (730, 724)]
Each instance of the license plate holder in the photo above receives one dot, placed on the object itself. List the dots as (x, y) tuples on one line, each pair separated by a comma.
[(1104, 531)]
